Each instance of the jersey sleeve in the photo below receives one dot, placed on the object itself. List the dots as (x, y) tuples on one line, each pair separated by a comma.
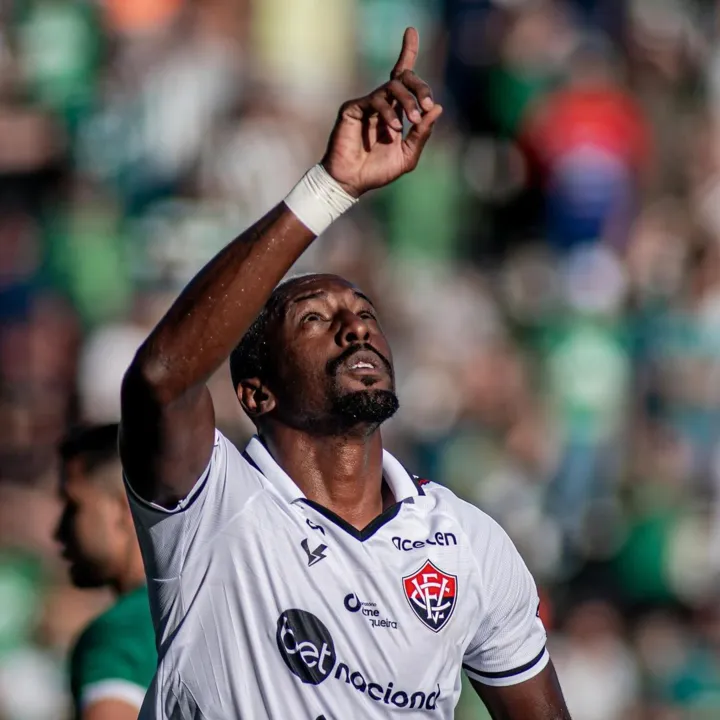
[(108, 664), (509, 645), (171, 538)]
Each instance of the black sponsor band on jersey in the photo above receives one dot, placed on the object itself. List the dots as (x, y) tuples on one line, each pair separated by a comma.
[(507, 673), (387, 695), (308, 650)]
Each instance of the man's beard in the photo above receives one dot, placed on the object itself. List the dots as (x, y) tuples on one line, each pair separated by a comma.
[(369, 407), (365, 407)]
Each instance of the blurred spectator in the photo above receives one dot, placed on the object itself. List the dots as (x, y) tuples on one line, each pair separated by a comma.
[(589, 145), (599, 672), (59, 48)]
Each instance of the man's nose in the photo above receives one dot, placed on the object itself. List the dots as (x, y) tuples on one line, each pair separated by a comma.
[(353, 329)]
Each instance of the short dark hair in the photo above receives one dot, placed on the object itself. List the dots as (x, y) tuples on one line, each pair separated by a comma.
[(97, 445), (252, 357)]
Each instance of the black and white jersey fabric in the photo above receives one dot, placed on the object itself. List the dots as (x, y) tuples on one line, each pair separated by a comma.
[(268, 605)]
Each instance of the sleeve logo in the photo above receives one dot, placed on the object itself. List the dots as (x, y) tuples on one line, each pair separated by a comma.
[(431, 594)]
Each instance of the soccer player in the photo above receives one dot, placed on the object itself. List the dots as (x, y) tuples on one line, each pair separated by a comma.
[(114, 659), (311, 576)]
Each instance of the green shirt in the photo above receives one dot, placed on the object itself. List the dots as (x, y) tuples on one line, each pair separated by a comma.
[(115, 656)]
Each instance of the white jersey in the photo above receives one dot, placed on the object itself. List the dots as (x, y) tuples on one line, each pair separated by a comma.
[(267, 605)]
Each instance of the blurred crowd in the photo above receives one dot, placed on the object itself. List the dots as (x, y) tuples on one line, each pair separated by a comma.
[(549, 278)]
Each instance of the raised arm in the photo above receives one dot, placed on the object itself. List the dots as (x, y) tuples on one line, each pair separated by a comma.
[(168, 420), (167, 426)]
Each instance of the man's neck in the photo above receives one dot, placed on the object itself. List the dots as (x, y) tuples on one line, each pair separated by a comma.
[(343, 474)]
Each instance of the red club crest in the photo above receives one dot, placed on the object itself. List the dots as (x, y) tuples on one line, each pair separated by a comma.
[(431, 594)]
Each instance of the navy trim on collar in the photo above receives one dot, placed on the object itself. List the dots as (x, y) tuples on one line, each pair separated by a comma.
[(403, 485), (368, 531), (247, 457)]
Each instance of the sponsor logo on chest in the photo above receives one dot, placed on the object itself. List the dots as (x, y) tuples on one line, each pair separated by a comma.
[(443, 539), (308, 651), (368, 610)]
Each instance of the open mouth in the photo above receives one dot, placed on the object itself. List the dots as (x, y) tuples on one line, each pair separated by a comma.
[(364, 363), (362, 366), (360, 361)]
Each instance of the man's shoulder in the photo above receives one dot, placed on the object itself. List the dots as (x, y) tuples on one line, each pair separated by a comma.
[(236, 455), (475, 523)]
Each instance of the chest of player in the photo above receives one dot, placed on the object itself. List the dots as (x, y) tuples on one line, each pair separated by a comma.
[(396, 601)]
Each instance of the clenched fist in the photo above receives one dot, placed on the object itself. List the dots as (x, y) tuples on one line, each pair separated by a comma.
[(367, 148)]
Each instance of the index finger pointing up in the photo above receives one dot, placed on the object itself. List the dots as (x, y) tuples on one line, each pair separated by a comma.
[(408, 54)]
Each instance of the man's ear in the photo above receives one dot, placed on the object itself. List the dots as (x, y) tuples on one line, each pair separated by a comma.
[(255, 397)]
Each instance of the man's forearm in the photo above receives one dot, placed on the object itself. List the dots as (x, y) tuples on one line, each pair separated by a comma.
[(213, 312)]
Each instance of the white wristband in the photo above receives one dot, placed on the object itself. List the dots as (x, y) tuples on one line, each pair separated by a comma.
[(318, 200)]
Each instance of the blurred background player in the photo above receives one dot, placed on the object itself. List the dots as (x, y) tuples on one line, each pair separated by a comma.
[(114, 658)]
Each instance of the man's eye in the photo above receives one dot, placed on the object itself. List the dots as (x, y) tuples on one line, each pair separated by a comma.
[(367, 315), (310, 317)]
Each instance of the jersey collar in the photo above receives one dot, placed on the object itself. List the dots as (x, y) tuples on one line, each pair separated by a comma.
[(399, 480)]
